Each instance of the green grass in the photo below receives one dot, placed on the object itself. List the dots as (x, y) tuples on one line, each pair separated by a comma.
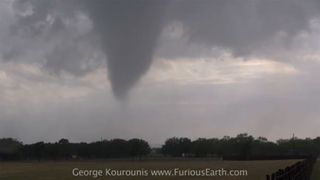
[(63, 170)]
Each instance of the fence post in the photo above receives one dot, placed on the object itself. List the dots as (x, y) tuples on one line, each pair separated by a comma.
[(299, 171), (268, 177)]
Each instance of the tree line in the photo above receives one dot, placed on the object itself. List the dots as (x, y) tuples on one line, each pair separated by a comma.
[(11, 149), (242, 145)]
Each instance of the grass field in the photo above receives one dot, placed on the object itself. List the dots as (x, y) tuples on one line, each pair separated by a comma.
[(63, 170)]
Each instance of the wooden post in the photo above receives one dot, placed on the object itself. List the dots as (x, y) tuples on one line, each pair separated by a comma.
[(268, 177)]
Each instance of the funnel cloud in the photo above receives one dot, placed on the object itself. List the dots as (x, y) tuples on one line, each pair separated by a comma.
[(75, 34), (128, 31), (198, 68)]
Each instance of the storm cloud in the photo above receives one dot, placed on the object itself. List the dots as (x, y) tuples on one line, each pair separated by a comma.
[(127, 32), (196, 68), (245, 27)]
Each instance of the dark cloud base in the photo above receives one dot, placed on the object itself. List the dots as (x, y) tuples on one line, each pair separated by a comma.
[(127, 31)]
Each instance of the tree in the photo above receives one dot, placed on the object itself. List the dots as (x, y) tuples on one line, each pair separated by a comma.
[(201, 147), (119, 148), (38, 149), (177, 146), (138, 147), (64, 149), (63, 141), (9, 148), (244, 144)]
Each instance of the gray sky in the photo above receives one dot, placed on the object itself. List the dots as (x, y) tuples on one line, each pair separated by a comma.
[(86, 70)]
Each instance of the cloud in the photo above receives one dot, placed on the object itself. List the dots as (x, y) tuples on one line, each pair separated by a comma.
[(129, 31), (77, 36), (244, 26), (206, 70)]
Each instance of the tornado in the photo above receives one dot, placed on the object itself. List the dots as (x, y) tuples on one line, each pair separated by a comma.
[(128, 30)]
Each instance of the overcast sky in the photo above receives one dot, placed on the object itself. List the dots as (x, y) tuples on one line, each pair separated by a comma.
[(91, 69)]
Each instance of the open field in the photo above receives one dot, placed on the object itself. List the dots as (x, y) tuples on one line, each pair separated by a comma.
[(63, 170)]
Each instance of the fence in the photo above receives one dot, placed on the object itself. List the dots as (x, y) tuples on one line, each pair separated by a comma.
[(299, 171)]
